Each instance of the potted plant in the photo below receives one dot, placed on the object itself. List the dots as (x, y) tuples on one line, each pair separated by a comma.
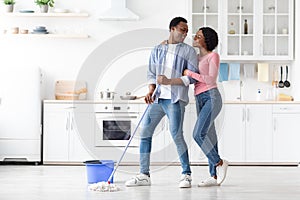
[(44, 4), (9, 5)]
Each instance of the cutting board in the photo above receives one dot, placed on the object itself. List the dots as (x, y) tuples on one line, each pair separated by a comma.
[(70, 90)]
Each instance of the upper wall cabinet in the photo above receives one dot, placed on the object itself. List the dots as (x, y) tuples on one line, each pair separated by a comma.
[(248, 29)]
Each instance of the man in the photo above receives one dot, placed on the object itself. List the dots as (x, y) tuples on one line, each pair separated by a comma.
[(170, 60)]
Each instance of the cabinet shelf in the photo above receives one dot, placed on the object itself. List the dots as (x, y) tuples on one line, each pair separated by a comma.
[(46, 14), (67, 36), (241, 14), (238, 35), (204, 13), (276, 14)]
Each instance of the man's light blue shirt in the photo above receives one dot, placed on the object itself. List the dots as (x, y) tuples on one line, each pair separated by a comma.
[(185, 58)]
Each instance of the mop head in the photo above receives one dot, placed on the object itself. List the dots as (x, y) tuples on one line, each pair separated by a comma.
[(103, 187)]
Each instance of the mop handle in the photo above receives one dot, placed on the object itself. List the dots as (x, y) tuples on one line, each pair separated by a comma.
[(135, 130)]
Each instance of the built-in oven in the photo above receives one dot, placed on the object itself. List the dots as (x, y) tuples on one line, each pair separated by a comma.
[(115, 124)]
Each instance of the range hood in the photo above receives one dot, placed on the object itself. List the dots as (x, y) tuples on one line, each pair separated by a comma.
[(118, 11)]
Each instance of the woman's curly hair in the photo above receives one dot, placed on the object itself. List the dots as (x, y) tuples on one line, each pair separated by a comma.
[(211, 38)]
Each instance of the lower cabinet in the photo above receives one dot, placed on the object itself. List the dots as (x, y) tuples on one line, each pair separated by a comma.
[(286, 134), (61, 139), (247, 133), (261, 133)]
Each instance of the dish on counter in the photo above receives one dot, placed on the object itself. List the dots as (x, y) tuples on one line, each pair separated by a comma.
[(26, 11), (35, 32), (39, 30)]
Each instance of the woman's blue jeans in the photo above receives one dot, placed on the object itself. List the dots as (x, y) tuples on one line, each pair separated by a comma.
[(175, 114), (209, 105)]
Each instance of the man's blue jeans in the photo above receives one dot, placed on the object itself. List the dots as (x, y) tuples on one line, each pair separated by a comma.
[(175, 114), (209, 105)]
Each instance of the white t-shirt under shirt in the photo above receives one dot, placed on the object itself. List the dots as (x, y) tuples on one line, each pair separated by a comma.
[(167, 71)]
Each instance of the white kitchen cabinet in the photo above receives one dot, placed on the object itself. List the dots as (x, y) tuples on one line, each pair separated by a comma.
[(205, 13), (286, 135), (61, 137), (247, 133), (276, 29), (269, 27)]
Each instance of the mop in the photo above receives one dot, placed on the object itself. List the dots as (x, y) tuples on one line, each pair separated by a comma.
[(108, 186)]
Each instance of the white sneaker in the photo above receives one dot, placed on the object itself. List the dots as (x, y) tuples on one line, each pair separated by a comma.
[(211, 181), (221, 172), (185, 181), (139, 180)]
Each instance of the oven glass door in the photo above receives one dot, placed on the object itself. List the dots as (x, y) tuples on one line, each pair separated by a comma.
[(115, 129)]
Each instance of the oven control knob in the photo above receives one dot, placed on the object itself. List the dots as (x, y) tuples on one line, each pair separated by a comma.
[(105, 107), (128, 108)]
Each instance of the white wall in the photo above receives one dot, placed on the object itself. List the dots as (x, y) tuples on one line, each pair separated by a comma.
[(64, 58)]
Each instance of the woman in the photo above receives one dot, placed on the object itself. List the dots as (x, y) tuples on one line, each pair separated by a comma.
[(208, 103)]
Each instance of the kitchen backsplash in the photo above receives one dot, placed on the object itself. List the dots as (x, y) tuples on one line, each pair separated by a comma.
[(250, 82)]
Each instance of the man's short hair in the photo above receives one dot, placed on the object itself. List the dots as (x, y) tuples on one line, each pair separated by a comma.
[(175, 21)]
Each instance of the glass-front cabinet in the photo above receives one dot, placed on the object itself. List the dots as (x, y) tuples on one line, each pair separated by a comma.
[(240, 28), (248, 29), (205, 13), (277, 28)]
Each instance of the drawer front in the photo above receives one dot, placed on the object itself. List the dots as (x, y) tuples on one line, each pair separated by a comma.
[(286, 108), (68, 107)]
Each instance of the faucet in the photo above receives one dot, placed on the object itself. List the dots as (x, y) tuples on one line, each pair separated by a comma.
[(240, 95)]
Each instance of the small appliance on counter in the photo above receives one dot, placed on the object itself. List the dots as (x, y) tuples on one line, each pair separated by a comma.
[(70, 90), (107, 95)]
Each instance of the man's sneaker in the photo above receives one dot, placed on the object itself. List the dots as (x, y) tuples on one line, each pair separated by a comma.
[(139, 180), (185, 181), (211, 181), (221, 172)]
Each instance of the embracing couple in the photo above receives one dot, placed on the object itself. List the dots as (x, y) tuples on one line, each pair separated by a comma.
[(173, 66)]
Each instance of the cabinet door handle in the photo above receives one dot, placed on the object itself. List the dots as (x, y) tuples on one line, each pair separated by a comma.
[(243, 119), (71, 123), (71, 107), (248, 115), (67, 123), (274, 124)]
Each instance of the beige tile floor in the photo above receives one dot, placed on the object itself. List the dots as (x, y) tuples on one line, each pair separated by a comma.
[(70, 182)]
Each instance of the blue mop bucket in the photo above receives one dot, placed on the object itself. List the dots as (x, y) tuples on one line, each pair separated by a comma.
[(99, 170)]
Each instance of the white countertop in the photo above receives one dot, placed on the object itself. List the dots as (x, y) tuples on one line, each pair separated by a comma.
[(142, 101)]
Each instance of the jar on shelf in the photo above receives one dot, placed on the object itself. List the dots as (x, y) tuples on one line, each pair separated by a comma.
[(231, 28)]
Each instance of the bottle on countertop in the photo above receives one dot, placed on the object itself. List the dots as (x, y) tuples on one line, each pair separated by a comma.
[(245, 27), (258, 95)]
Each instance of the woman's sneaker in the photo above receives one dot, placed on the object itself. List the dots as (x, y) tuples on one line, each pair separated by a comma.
[(139, 180), (185, 181), (221, 172), (211, 181)]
